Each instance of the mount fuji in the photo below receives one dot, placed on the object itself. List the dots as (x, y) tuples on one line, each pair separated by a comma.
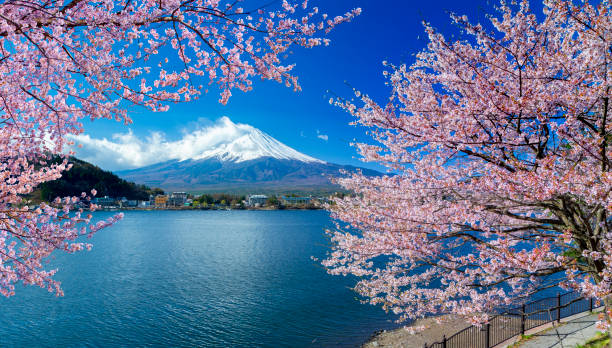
[(248, 160)]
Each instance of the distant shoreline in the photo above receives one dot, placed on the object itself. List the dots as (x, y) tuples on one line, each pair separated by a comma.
[(199, 208)]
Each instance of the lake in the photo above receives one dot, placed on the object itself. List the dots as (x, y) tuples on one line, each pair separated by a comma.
[(196, 278)]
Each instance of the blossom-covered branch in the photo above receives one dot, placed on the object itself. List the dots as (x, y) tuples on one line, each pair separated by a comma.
[(501, 146), (65, 60)]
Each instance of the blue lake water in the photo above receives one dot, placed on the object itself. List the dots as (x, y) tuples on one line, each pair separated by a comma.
[(196, 278)]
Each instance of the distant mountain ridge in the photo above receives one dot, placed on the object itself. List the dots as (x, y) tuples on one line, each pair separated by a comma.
[(249, 161), (267, 174)]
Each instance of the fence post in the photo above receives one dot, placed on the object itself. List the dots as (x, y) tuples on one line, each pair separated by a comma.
[(488, 328), (558, 307), (444, 341), (591, 304), (523, 319)]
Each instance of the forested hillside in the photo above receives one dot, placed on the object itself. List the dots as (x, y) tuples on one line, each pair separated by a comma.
[(83, 177)]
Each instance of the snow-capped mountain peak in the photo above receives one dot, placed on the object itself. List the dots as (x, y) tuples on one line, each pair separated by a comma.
[(223, 140), (248, 143), (230, 157)]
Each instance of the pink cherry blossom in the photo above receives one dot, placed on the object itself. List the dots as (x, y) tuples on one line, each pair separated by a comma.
[(501, 146), (68, 60)]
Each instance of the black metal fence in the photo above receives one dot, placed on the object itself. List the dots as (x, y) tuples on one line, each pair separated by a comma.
[(516, 321)]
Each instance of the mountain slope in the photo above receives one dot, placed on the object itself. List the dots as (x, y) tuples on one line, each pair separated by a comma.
[(264, 174), (245, 159), (83, 177)]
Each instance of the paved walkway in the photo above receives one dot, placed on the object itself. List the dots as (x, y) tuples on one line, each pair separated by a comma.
[(566, 335)]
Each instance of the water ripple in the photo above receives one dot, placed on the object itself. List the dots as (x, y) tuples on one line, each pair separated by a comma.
[(196, 278)]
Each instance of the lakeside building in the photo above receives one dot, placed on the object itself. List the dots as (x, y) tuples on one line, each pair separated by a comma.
[(152, 199), (296, 200), (257, 200), (161, 201), (105, 201), (128, 203), (178, 199)]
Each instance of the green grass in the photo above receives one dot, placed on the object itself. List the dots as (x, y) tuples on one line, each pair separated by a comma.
[(599, 341), (520, 341)]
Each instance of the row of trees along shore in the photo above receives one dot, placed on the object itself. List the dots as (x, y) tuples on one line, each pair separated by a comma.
[(500, 140), (209, 200)]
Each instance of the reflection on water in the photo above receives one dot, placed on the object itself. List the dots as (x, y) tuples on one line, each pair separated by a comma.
[(196, 278)]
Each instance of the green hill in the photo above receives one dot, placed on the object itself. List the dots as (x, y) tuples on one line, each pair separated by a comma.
[(83, 177)]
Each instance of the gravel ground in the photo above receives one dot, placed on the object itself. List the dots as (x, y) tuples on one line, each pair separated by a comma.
[(575, 331), (401, 338)]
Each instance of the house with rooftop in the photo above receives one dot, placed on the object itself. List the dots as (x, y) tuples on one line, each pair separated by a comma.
[(105, 202), (161, 201), (288, 200), (177, 199), (257, 200)]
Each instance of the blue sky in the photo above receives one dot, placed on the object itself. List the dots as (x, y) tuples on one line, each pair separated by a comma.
[(386, 30)]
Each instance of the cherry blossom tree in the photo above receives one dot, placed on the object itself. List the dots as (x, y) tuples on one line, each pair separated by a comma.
[(65, 60), (499, 144)]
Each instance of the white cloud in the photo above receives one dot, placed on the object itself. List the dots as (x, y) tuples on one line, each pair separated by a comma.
[(126, 150), (323, 137)]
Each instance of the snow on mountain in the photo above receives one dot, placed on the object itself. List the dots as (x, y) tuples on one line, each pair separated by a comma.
[(236, 158), (249, 144), (223, 140)]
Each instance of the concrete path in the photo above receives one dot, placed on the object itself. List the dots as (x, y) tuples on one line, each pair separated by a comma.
[(565, 335)]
